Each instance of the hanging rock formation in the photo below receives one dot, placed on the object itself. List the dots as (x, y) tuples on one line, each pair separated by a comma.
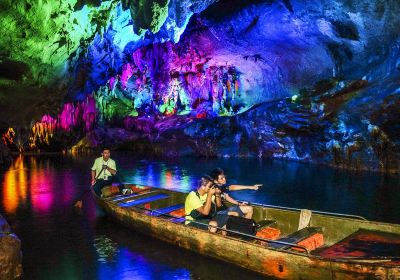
[(313, 80)]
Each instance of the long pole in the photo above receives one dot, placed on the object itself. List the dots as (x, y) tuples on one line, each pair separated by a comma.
[(79, 202)]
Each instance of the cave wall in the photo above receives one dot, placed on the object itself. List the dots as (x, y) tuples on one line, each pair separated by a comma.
[(305, 80)]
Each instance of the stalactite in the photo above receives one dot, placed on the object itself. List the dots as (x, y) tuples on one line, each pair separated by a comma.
[(74, 117), (178, 82)]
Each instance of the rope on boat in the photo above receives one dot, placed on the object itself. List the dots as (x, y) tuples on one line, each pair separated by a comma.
[(230, 231)]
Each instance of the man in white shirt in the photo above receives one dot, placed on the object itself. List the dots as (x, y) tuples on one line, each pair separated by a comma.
[(104, 172)]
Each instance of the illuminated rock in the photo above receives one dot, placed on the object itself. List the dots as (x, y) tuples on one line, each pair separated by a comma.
[(7, 135), (10, 253), (298, 80)]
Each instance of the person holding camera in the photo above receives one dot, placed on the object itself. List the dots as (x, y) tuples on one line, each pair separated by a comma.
[(104, 172), (201, 206)]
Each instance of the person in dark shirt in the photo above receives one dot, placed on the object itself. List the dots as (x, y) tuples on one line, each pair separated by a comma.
[(220, 172), (239, 209)]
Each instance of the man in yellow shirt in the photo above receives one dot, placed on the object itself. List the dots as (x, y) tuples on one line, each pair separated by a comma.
[(201, 207)]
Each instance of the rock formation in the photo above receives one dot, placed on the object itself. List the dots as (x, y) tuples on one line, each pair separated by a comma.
[(10, 253), (306, 80)]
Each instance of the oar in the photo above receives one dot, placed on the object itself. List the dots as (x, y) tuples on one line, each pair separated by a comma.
[(79, 202)]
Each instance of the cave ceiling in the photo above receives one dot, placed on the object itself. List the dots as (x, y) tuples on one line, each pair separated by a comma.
[(198, 58)]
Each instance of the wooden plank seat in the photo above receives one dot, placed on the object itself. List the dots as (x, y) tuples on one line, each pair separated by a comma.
[(128, 197), (112, 191), (309, 237), (137, 188), (178, 213), (166, 210), (179, 220), (143, 200)]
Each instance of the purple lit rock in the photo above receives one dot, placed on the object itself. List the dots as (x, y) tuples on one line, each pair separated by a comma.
[(304, 80)]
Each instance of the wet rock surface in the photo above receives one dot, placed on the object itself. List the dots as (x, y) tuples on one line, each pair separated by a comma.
[(10, 253)]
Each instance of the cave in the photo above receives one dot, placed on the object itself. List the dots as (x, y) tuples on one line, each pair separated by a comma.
[(312, 81)]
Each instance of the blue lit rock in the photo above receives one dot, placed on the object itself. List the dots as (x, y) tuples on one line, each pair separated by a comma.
[(316, 80)]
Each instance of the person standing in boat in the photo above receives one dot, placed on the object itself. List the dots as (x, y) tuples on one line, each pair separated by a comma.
[(104, 172), (201, 206), (239, 209)]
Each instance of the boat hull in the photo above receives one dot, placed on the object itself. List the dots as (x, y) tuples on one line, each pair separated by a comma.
[(274, 263)]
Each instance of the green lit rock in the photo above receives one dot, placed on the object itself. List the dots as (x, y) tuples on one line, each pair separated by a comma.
[(149, 15), (43, 35)]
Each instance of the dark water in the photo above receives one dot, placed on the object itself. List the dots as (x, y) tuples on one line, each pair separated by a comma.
[(58, 242)]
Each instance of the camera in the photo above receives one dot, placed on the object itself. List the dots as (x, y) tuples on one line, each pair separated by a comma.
[(104, 166)]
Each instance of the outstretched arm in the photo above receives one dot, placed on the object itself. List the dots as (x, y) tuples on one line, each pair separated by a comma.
[(234, 201), (244, 187)]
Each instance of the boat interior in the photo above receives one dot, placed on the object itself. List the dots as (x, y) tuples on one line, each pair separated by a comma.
[(328, 235)]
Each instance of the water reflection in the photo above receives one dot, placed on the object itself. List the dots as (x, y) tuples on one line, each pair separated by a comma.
[(142, 257), (160, 174), (41, 188), (59, 243), (106, 249), (36, 182), (15, 182)]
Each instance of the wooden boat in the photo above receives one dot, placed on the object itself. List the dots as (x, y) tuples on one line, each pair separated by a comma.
[(353, 248)]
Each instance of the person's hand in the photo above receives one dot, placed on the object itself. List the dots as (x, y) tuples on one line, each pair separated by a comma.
[(93, 182), (212, 191), (78, 204), (256, 186)]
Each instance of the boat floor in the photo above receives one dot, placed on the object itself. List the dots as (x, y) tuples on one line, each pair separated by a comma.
[(366, 244)]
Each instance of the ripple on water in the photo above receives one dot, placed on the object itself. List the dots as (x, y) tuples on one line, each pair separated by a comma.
[(106, 249)]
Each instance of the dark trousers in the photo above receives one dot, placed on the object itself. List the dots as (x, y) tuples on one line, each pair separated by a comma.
[(101, 183)]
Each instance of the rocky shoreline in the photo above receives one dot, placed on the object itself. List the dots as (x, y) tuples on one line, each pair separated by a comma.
[(10, 253)]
